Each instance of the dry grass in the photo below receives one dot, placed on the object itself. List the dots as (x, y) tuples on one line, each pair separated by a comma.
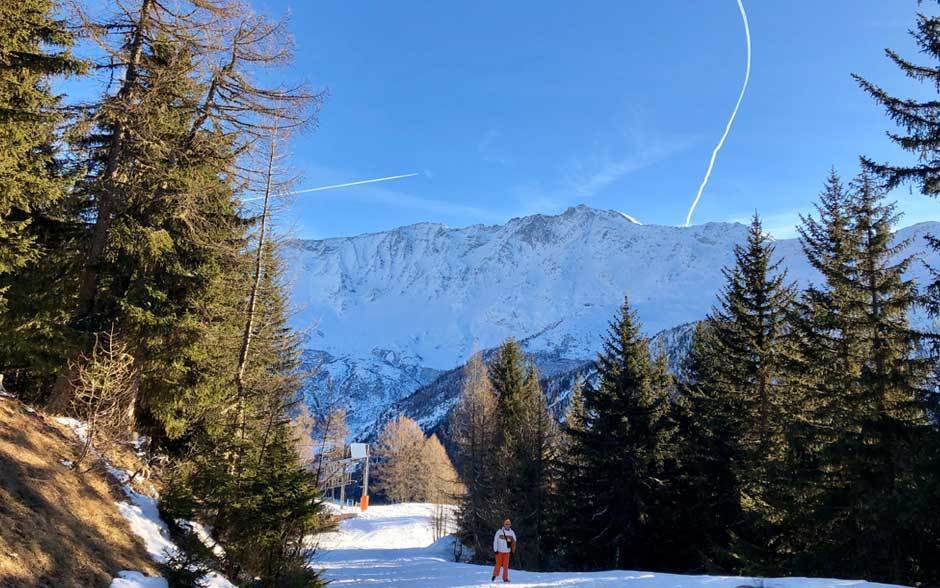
[(58, 527)]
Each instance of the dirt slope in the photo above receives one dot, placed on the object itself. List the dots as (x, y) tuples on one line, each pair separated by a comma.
[(58, 527)]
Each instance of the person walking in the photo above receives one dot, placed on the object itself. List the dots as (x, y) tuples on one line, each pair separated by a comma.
[(504, 544)]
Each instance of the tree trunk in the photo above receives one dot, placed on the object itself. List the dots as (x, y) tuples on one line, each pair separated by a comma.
[(88, 284)]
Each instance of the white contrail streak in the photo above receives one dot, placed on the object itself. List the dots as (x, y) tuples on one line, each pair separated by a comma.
[(747, 76), (344, 185)]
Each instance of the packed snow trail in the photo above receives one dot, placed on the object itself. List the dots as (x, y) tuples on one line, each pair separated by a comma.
[(393, 546)]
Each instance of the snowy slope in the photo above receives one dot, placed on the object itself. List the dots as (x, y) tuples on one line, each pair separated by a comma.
[(385, 313), (392, 546)]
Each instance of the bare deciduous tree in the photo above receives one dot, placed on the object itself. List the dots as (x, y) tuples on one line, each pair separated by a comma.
[(473, 427), (443, 487), (321, 443), (400, 470), (103, 394)]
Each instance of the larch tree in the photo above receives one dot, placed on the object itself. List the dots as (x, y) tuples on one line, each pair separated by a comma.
[(473, 427), (400, 469)]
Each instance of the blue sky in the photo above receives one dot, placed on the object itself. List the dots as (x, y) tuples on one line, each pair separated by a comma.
[(514, 108)]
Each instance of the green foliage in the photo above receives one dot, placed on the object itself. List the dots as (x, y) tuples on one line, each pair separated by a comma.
[(137, 229), (864, 400), (240, 470), (620, 454), (189, 566), (749, 330), (35, 217), (918, 120), (31, 178), (525, 439)]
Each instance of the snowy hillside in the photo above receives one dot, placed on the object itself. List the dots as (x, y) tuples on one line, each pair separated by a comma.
[(393, 546), (386, 313)]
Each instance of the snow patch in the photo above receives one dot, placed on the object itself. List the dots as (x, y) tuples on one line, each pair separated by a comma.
[(78, 427), (144, 520), (393, 545), (204, 534), (128, 579)]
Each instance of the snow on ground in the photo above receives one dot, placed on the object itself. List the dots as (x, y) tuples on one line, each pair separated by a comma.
[(392, 545), (144, 520)]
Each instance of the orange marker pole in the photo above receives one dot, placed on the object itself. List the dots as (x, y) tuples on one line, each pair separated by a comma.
[(364, 501)]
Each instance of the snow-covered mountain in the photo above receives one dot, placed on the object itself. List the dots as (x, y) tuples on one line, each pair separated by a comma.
[(387, 313)]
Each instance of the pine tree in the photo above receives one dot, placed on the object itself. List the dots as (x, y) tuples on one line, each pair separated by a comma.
[(36, 223), (262, 504), (169, 151), (828, 360), (918, 119), (526, 434), (572, 477), (31, 181), (865, 417), (918, 122), (750, 327), (709, 490), (890, 417), (621, 453)]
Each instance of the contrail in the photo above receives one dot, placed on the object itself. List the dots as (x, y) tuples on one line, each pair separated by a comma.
[(345, 185), (747, 76)]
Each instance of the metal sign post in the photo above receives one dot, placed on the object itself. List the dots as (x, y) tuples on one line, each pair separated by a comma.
[(361, 451)]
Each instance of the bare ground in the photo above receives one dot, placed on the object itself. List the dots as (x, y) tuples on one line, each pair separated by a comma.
[(58, 527)]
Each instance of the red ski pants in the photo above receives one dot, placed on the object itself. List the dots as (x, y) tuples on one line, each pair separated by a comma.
[(502, 561)]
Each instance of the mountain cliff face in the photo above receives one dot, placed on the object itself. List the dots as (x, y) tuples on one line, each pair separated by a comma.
[(386, 314)]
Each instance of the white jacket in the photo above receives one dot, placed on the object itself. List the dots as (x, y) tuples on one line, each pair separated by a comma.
[(499, 543)]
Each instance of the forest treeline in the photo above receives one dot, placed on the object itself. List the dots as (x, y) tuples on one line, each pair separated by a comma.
[(801, 436), (137, 291)]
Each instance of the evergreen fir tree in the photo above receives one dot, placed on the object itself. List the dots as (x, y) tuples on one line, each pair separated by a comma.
[(262, 504), (36, 223), (828, 360), (750, 327), (918, 122), (31, 182), (621, 454), (572, 478), (709, 493), (865, 416), (525, 437)]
